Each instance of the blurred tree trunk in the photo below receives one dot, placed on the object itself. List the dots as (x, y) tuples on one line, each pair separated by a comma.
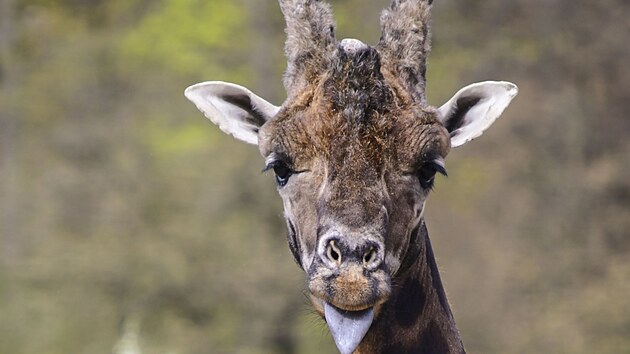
[(8, 142)]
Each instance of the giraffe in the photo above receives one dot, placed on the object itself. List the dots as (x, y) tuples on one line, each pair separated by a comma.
[(355, 149)]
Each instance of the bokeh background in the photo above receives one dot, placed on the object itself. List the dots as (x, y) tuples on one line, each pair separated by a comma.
[(129, 224)]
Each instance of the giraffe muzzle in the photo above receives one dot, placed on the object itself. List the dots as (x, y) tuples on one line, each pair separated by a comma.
[(348, 283), (349, 275)]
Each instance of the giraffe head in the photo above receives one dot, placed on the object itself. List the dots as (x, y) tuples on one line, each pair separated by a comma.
[(355, 149)]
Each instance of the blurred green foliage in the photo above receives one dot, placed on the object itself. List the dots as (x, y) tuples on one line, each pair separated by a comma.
[(177, 36), (130, 224)]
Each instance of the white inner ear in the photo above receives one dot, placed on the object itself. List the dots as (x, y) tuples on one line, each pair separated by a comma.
[(235, 109), (474, 108)]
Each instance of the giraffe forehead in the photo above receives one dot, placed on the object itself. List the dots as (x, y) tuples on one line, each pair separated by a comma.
[(358, 117), (360, 147)]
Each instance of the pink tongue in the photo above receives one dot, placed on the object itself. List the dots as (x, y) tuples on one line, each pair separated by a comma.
[(348, 327)]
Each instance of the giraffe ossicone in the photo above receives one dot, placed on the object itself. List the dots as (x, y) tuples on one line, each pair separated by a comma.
[(352, 45)]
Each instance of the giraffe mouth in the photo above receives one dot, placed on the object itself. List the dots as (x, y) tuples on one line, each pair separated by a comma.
[(348, 327)]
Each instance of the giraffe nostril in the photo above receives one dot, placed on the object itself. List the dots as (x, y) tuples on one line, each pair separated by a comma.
[(369, 256), (333, 253)]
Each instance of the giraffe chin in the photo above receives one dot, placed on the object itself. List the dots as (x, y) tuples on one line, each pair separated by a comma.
[(348, 327)]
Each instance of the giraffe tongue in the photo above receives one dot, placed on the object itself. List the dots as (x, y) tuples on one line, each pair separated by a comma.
[(347, 327)]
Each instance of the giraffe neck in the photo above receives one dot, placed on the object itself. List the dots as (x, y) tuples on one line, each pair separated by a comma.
[(417, 318)]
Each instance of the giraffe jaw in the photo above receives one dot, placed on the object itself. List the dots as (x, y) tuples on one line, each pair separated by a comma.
[(348, 327)]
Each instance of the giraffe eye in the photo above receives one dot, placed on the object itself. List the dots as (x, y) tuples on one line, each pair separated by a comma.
[(426, 174), (283, 172)]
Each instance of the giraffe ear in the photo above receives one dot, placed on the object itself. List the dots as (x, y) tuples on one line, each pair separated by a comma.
[(474, 108), (235, 109)]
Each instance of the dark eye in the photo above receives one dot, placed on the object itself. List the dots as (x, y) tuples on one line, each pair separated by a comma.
[(426, 174), (283, 172)]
